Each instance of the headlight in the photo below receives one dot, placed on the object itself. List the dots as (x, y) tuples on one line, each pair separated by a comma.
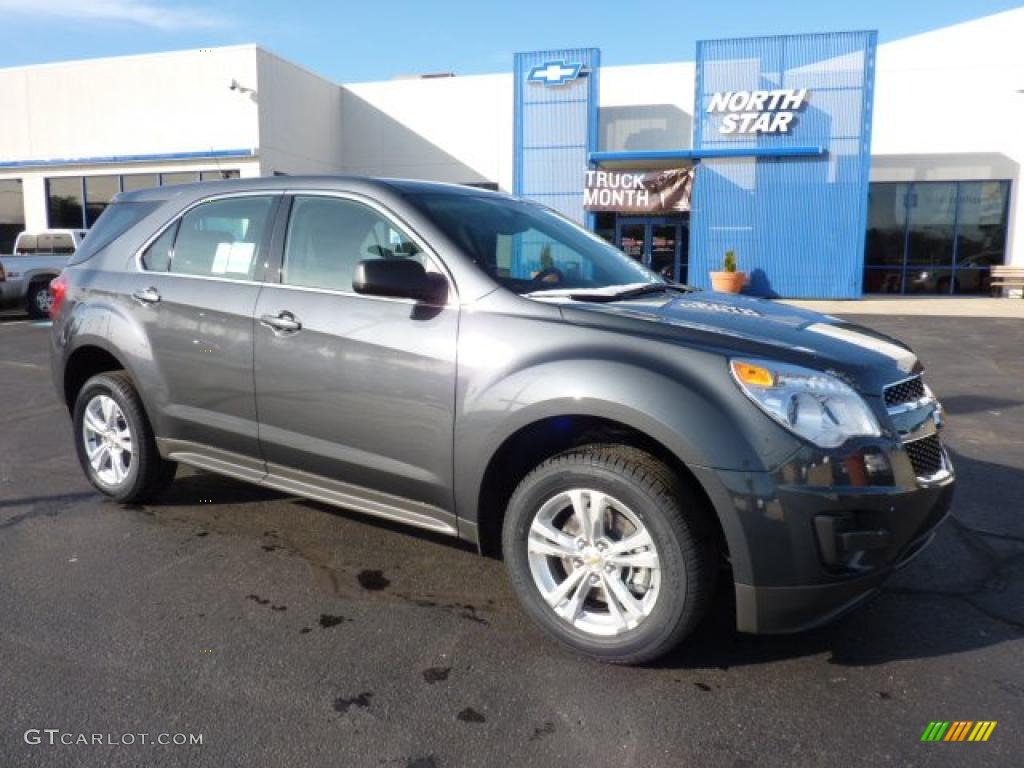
[(814, 405)]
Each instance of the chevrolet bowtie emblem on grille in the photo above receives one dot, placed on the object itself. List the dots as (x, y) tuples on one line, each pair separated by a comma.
[(555, 72)]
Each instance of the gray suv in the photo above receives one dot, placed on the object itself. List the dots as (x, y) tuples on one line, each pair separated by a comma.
[(477, 365)]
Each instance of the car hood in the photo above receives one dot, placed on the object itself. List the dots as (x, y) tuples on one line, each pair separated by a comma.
[(744, 326)]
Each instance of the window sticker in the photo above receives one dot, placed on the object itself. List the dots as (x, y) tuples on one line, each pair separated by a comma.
[(233, 258)]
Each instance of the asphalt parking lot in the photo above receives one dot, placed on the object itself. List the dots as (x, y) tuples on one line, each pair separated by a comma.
[(289, 633)]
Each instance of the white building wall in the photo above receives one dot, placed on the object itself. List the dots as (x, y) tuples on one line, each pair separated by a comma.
[(453, 129), (949, 105), (156, 104), (300, 125), (647, 107)]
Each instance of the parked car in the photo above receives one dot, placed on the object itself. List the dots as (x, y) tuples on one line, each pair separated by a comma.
[(389, 347), (38, 258)]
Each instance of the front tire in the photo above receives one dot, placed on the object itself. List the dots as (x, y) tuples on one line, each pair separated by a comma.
[(610, 552), (115, 443)]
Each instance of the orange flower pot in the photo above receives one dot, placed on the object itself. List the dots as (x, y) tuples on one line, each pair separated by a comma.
[(728, 282)]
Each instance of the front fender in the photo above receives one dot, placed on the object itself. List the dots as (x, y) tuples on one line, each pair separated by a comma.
[(702, 425)]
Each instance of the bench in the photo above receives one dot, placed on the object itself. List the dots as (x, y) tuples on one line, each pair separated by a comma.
[(1004, 276)]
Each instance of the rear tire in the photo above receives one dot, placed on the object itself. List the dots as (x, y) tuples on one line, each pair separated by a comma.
[(39, 300), (115, 442), (645, 573)]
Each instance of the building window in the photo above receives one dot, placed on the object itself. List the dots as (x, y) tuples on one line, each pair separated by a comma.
[(65, 203), (99, 191), (12, 213), (183, 177), (130, 183), (74, 202), (217, 175), (936, 237)]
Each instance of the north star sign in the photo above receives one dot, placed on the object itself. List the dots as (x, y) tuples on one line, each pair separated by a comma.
[(753, 112), (555, 72)]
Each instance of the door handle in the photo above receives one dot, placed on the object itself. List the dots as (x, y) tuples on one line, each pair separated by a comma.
[(281, 323), (147, 296)]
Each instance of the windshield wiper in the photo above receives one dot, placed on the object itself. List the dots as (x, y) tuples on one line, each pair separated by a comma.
[(631, 292)]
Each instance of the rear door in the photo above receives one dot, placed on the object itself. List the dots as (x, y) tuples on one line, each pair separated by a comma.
[(194, 294), (355, 392)]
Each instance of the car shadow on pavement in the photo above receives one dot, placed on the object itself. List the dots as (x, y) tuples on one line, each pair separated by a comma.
[(192, 486), (964, 592), (963, 404), (31, 501)]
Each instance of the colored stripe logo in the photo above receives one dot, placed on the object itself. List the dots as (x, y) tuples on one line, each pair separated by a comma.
[(958, 730)]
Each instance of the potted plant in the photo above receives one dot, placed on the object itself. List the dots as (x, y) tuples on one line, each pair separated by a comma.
[(728, 280)]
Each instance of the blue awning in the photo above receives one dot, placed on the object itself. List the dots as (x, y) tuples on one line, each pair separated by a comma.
[(676, 158)]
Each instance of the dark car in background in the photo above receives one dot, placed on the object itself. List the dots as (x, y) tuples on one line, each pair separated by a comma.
[(479, 366)]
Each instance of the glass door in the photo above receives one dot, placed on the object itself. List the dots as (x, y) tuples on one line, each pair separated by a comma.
[(631, 238), (665, 250), (658, 243)]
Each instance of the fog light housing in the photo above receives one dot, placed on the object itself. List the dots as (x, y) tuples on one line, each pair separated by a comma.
[(844, 545)]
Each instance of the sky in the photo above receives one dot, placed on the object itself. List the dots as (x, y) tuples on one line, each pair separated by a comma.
[(356, 41)]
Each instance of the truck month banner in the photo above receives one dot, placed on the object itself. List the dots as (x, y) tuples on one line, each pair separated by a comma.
[(633, 192)]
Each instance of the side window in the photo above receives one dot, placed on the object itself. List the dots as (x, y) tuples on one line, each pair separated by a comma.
[(327, 237), (221, 238), (63, 243), (26, 245), (157, 257)]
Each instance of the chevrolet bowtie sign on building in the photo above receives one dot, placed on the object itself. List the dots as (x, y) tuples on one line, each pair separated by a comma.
[(555, 72)]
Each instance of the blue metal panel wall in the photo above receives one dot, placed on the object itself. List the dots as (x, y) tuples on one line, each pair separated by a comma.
[(797, 224), (555, 129)]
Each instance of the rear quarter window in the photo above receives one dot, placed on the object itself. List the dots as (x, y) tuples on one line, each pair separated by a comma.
[(115, 220)]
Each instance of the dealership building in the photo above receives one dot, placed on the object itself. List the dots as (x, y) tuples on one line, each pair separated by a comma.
[(832, 166)]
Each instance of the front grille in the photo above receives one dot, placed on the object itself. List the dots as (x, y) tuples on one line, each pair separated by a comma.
[(908, 391), (925, 455)]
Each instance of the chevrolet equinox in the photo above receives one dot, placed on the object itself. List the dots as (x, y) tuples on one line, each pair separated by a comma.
[(479, 366)]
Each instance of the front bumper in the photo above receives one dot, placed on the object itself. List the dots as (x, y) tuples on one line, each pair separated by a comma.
[(804, 551)]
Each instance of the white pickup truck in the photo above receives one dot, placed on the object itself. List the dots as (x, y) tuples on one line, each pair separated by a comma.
[(38, 258)]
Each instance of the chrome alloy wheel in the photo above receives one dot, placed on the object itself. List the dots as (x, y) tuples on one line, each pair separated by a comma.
[(108, 440), (44, 301), (594, 562)]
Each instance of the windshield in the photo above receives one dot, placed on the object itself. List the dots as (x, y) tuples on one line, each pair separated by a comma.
[(531, 249)]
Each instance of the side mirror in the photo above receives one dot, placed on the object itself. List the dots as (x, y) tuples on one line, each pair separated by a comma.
[(399, 279)]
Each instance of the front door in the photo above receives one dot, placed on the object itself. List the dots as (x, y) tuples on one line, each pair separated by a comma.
[(659, 243), (354, 393)]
